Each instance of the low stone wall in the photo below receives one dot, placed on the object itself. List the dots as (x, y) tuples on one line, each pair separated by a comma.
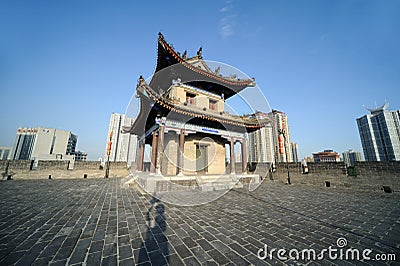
[(52, 165), (88, 165), (25, 169), (332, 168), (378, 168), (370, 175)]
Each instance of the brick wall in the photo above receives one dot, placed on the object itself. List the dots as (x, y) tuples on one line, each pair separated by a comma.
[(378, 168), (332, 168), (88, 165), (21, 169), (52, 165), (370, 175)]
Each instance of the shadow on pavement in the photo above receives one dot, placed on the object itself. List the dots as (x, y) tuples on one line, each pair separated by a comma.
[(155, 246)]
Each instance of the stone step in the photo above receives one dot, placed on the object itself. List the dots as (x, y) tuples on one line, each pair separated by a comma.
[(212, 186)]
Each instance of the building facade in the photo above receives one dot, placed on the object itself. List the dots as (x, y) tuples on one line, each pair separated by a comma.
[(281, 136), (351, 156), (380, 134), (326, 156), (43, 144), (123, 145), (295, 151), (271, 143), (261, 145), (5, 153), (80, 156)]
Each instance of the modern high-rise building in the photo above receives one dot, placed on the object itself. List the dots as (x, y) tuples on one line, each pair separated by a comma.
[(261, 145), (351, 156), (80, 156), (380, 134), (271, 143), (123, 145), (5, 153), (281, 136), (43, 144), (295, 151)]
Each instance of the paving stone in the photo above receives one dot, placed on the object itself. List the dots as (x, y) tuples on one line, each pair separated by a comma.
[(63, 253), (12, 257), (189, 242), (183, 251), (94, 258), (125, 252), (191, 261), (157, 258), (201, 255), (109, 261), (218, 257), (110, 249), (126, 262), (96, 246), (98, 221), (141, 255), (123, 240), (41, 261), (77, 256), (136, 243)]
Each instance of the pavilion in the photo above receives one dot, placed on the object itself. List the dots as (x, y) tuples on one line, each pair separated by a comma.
[(182, 117)]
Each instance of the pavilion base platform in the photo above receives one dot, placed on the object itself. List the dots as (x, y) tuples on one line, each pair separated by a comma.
[(153, 183)]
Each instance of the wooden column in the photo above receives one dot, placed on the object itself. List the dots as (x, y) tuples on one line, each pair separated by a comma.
[(180, 151), (232, 156), (153, 158), (140, 159), (244, 157), (142, 155)]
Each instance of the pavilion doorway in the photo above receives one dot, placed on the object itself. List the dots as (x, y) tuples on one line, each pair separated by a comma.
[(201, 159)]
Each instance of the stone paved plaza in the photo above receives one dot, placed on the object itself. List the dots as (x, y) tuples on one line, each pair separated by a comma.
[(98, 221)]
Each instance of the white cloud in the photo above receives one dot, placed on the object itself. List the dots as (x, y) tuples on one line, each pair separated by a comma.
[(227, 22), (224, 9), (226, 27)]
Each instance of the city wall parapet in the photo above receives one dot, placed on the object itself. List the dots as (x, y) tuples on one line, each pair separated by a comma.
[(368, 175), (28, 169)]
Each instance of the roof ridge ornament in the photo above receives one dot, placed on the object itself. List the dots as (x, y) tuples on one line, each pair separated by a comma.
[(200, 52)]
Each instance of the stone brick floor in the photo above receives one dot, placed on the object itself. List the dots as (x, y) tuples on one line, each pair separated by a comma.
[(98, 221)]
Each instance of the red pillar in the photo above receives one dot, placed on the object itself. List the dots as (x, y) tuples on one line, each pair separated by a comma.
[(140, 159), (153, 158)]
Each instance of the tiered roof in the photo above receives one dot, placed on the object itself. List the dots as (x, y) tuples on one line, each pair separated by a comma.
[(195, 71)]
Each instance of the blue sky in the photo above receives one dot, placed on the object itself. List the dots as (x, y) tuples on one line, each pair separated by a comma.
[(70, 64)]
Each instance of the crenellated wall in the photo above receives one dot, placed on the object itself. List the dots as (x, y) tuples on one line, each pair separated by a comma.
[(378, 168), (369, 175), (26, 169), (332, 168)]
